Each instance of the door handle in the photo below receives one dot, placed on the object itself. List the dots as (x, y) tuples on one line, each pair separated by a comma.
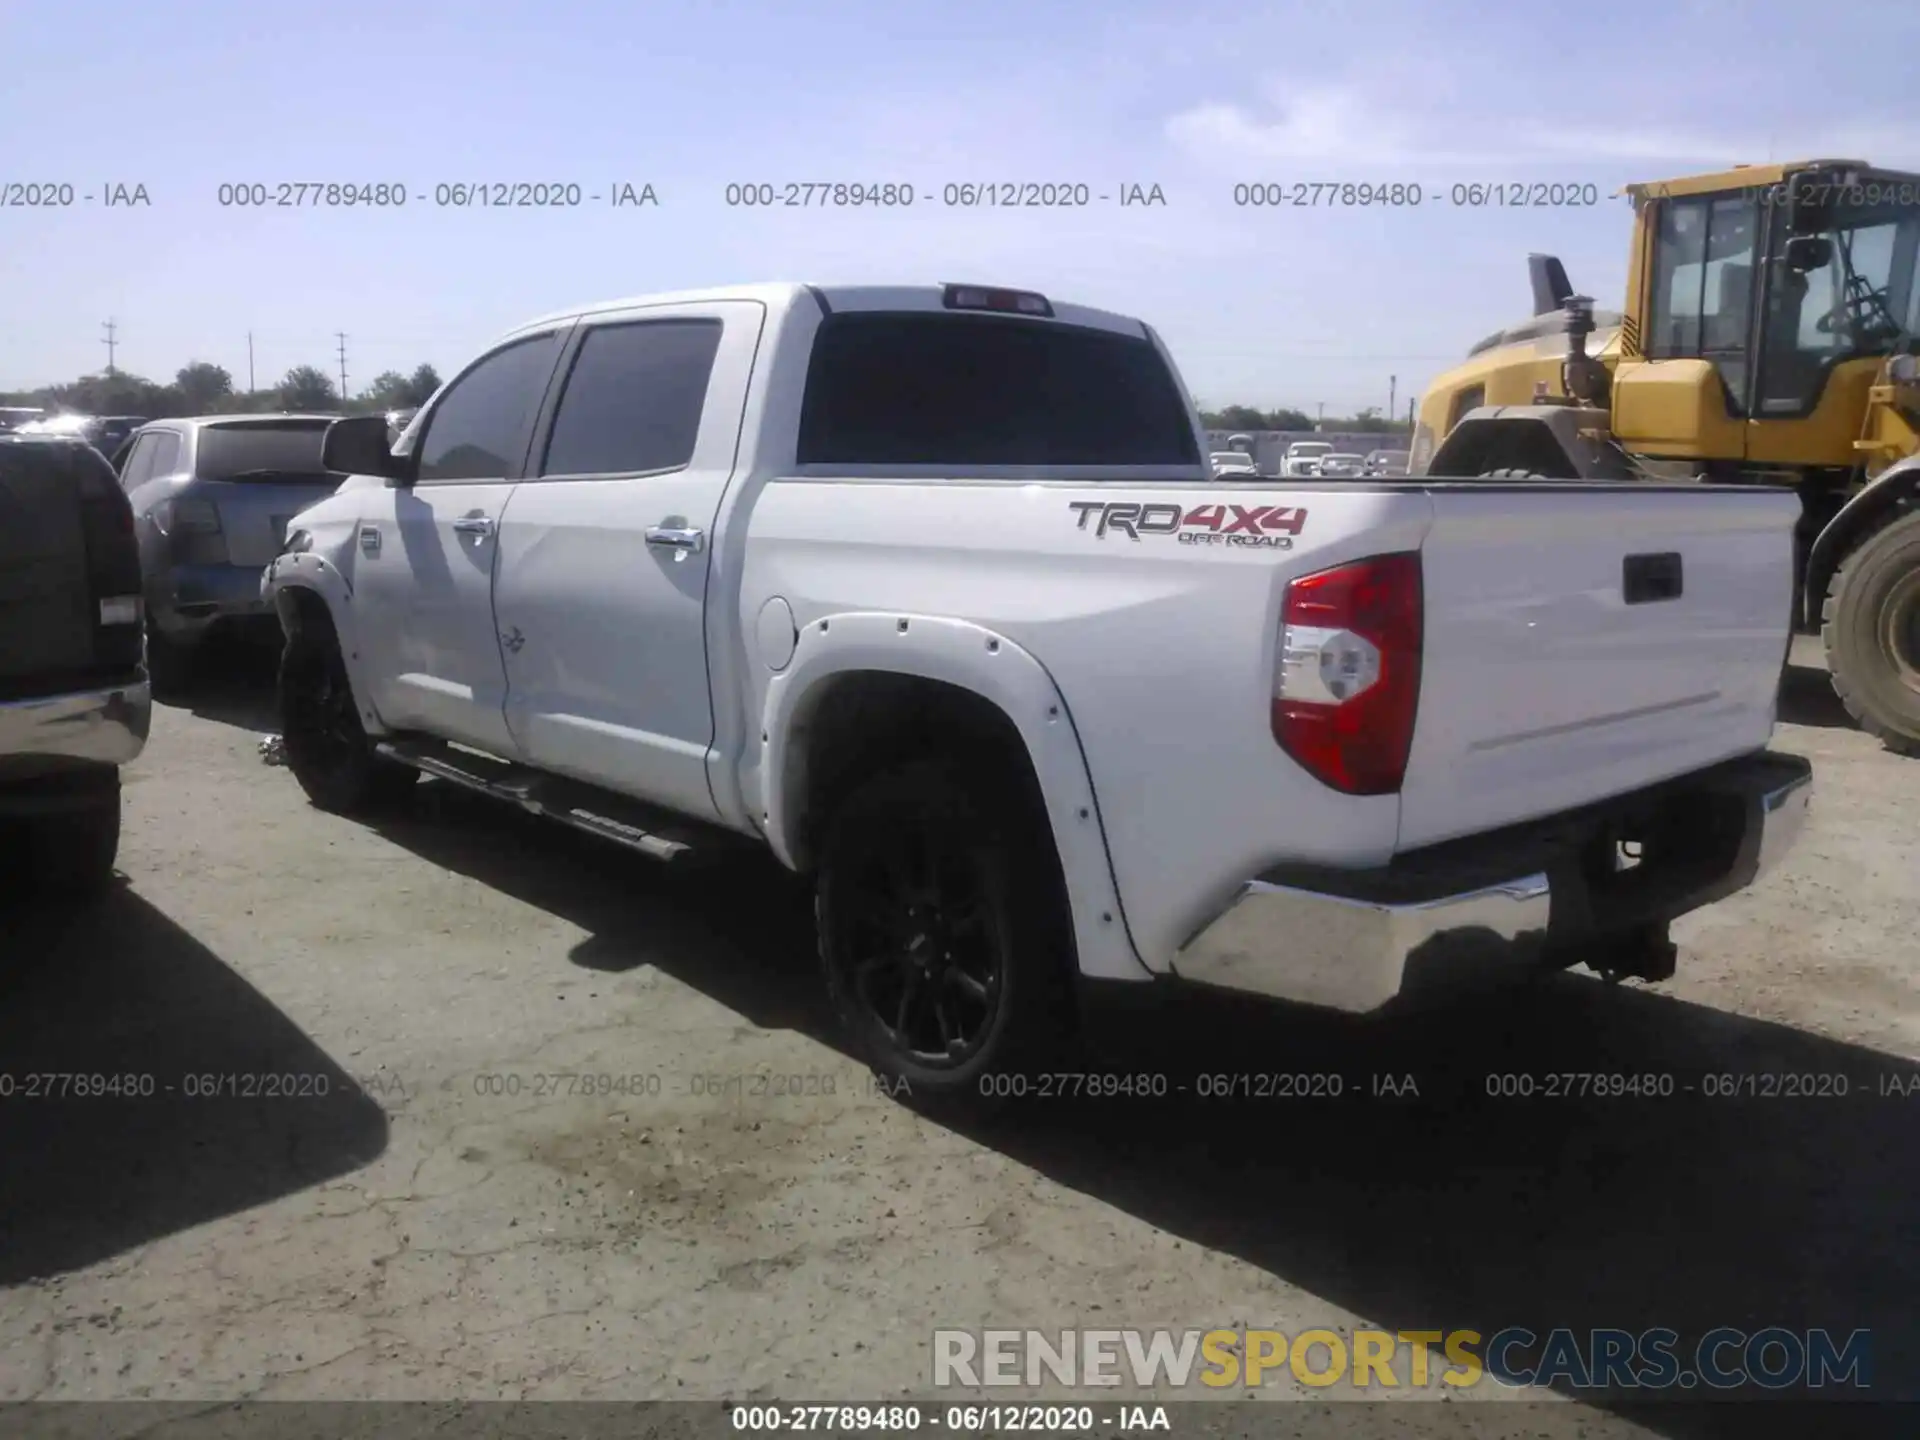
[(474, 525), (677, 537)]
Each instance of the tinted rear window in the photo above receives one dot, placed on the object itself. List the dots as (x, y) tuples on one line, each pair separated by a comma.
[(973, 390), (229, 450)]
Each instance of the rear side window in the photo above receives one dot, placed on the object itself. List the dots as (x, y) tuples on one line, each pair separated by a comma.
[(943, 389), (166, 454), (242, 452), (634, 398), (139, 464)]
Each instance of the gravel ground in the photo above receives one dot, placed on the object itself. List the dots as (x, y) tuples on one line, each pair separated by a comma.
[(449, 1221)]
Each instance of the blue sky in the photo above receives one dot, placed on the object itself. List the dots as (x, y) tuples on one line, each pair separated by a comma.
[(1290, 307)]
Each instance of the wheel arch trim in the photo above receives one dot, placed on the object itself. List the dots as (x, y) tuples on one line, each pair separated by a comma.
[(999, 672), (292, 575)]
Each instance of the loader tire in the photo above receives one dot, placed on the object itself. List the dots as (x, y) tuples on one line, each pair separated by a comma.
[(1870, 626)]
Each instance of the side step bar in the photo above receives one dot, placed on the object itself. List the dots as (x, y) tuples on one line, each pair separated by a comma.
[(656, 833)]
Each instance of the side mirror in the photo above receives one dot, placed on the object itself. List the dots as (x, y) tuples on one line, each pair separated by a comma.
[(1809, 202), (1805, 253), (357, 445)]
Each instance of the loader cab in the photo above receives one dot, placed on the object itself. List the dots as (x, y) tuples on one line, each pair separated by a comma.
[(1762, 302)]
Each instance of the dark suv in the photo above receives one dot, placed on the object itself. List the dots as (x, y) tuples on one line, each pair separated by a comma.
[(74, 700)]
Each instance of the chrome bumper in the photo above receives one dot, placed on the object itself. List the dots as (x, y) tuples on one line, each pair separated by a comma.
[(104, 726), (1356, 952)]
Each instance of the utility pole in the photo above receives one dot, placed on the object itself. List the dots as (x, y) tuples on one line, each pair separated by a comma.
[(250, 362), (1323, 414), (342, 336), (109, 342), (1410, 403), (1393, 396)]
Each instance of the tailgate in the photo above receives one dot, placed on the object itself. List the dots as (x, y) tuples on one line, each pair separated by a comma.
[(45, 627), (1559, 667)]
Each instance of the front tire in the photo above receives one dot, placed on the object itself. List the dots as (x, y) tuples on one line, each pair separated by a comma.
[(1870, 625), (326, 747), (944, 934)]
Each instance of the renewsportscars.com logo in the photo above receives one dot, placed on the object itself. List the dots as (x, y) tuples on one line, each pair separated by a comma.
[(1271, 527), (1603, 1359)]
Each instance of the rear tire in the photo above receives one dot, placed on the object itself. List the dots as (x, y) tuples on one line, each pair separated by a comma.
[(70, 854), (944, 935), (1870, 625), (326, 747)]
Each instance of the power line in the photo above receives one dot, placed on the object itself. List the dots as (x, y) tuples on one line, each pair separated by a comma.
[(341, 335)]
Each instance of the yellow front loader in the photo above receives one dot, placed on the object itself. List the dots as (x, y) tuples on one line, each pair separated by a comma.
[(1768, 337)]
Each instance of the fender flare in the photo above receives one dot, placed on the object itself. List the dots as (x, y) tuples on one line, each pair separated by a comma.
[(1005, 675), (315, 574), (1856, 519)]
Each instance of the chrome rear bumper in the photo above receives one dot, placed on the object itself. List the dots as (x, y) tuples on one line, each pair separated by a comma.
[(1357, 940), (107, 726)]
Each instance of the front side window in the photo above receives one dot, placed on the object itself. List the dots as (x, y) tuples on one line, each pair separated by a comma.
[(634, 398), (1860, 300), (478, 431)]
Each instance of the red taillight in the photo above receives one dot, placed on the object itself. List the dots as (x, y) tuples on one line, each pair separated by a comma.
[(1347, 679)]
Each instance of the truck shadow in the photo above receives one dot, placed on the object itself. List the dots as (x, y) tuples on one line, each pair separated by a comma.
[(1418, 1195), (232, 682), (1807, 698), (118, 990)]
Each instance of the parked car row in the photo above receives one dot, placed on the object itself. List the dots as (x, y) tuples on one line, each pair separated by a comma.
[(1232, 462)]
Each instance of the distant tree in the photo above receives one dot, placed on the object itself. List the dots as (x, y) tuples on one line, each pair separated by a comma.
[(1368, 422), (421, 385), (307, 387), (1242, 417), (390, 390), (117, 394), (1285, 419), (203, 387)]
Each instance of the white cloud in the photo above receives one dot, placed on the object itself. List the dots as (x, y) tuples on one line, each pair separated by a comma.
[(1376, 125)]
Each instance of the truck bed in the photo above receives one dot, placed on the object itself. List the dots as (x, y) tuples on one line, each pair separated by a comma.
[(1542, 688)]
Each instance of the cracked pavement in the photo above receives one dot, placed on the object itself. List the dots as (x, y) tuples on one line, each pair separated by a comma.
[(565, 1124)]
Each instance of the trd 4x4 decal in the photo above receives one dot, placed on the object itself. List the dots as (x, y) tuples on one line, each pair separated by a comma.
[(1271, 526)]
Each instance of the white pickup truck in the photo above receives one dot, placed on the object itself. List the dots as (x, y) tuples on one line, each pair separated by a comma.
[(931, 591)]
